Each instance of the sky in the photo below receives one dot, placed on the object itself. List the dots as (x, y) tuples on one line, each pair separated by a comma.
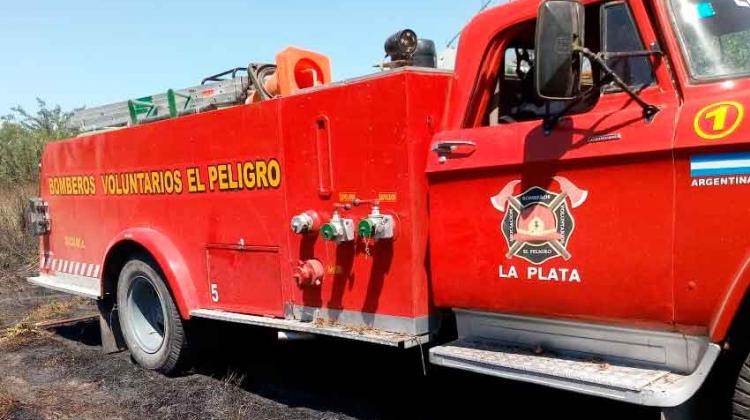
[(93, 52)]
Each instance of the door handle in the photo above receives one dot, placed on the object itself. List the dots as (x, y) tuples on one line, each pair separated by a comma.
[(456, 148)]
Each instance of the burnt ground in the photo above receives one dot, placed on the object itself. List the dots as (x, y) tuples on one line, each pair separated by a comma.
[(247, 373)]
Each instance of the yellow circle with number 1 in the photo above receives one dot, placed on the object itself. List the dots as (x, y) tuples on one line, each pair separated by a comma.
[(718, 120)]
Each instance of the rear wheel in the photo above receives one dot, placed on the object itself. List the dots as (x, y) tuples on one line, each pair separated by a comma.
[(151, 325), (741, 397)]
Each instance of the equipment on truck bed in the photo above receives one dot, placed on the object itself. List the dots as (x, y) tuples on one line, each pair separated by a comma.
[(210, 94), (295, 69), (405, 48)]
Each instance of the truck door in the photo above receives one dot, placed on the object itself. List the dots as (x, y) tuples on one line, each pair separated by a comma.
[(572, 220), (711, 159)]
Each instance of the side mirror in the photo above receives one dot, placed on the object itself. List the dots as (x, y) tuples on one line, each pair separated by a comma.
[(559, 30)]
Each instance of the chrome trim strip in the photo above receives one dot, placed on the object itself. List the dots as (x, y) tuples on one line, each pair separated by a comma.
[(340, 331), (399, 324), (89, 287)]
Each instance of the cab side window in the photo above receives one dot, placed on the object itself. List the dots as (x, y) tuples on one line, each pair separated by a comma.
[(610, 28), (620, 34)]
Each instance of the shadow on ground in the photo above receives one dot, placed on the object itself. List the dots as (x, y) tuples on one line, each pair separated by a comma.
[(329, 378)]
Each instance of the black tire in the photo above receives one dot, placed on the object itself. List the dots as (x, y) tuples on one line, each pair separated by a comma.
[(741, 397), (153, 332)]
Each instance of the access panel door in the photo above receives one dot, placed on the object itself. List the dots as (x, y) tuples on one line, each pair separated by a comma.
[(245, 279)]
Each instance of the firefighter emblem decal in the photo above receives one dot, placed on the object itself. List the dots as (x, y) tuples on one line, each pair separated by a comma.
[(538, 223)]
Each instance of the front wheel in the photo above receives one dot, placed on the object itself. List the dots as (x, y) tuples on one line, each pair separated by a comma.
[(151, 325)]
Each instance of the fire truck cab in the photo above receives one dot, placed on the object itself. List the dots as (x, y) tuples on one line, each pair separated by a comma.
[(571, 194)]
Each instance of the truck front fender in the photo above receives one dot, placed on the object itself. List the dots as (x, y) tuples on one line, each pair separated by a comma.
[(170, 261), (730, 302)]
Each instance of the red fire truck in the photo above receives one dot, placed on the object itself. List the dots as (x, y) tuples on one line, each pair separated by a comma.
[(571, 194)]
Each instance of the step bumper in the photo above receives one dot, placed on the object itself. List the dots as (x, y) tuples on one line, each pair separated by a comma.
[(357, 333), (632, 384)]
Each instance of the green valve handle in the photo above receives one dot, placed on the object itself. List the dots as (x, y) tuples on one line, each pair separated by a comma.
[(328, 231), (365, 228)]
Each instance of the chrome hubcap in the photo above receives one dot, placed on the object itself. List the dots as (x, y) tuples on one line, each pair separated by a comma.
[(146, 315)]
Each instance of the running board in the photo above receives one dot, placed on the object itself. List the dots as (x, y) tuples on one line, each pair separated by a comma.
[(88, 287), (657, 388), (321, 328)]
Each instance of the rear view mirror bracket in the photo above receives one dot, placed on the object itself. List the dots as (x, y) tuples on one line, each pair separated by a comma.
[(649, 111)]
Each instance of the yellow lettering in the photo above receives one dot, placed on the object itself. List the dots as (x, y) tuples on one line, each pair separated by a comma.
[(223, 177), (240, 177), (177, 182), (147, 188), (212, 176), (111, 184), (232, 182), (274, 173), (168, 182), (260, 173), (133, 183), (156, 182), (248, 173)]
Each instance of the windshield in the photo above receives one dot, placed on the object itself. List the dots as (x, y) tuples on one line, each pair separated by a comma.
[(715, 36)]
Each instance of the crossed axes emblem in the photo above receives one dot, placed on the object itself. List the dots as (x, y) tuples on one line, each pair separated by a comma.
[(505, 197)]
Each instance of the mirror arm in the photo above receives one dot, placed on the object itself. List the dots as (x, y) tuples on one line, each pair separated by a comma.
[(551, 121), (649, 111), (628, 54)]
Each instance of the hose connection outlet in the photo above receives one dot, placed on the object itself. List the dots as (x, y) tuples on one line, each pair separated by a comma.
[(306, 222), (376, 225), (338, 229), (37, 217), (309, 273)]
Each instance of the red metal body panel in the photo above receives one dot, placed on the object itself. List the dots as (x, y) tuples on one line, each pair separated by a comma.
[(234, 240), (646, 246), (190, 220), (377, 144)]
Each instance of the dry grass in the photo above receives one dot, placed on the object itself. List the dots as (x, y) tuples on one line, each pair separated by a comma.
[(26, 331), (8, 406), (51, 310), (19, 259), (18, 250), (20, 335), (231, 399)]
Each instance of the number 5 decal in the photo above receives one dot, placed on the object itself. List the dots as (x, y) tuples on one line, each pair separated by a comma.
[(214, 292), (718, 120)]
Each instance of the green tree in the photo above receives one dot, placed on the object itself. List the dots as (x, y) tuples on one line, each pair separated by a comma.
[(52, 123), (23, 136)]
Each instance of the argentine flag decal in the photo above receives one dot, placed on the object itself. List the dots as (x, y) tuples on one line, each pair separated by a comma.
[(720, 164)]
